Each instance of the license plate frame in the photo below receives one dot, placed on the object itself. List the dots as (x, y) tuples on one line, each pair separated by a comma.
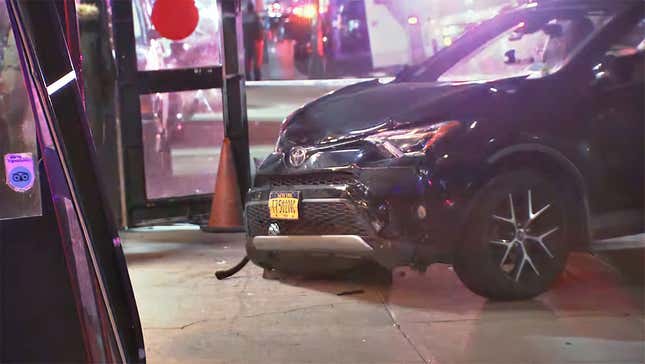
[(284, 205)]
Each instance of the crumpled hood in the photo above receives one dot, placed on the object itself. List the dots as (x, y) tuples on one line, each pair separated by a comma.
[(370, 104)]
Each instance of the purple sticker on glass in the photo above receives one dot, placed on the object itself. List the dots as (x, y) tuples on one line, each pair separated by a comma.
[(19, 169)]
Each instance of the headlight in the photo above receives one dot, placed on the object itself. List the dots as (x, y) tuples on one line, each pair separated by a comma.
[(411, 141)]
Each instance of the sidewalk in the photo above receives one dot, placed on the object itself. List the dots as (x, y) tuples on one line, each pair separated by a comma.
[(592, 315)]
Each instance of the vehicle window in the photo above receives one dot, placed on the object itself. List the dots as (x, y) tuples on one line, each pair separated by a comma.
[(632, 42), (624, 61), (534, 47)]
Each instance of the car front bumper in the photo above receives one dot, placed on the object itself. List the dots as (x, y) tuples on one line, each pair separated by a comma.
[(352, 245), (379, 213)]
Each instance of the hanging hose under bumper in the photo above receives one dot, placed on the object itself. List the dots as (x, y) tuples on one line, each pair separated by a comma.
[(223, 274)]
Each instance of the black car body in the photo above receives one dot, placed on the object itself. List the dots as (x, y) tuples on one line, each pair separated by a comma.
[(405, 172)]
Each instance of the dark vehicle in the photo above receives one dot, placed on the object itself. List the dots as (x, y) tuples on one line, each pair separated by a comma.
[(502, 153)]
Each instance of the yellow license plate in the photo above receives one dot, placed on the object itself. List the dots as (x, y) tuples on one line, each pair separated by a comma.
[(283, 205)]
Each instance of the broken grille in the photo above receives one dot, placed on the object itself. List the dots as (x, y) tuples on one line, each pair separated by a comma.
[(319, 218)]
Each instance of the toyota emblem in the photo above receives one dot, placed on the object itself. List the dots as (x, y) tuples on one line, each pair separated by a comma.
[(274, 229), (297, 156)]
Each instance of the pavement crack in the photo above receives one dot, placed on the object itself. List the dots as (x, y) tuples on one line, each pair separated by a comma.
[(397, 325), (178, 327), (305, 308), (193, 323)]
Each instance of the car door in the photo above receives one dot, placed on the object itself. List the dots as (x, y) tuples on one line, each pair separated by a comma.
[(618, 91)]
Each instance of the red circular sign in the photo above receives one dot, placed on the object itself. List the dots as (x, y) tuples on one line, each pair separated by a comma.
[(175, 19)]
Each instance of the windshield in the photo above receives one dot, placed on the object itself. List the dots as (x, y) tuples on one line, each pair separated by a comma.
[(535, 45)]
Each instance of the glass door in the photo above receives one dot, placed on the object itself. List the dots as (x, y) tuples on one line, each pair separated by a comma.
[(172, 112)]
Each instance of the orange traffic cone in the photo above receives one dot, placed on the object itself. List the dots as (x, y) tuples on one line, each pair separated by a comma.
[(226, 208)]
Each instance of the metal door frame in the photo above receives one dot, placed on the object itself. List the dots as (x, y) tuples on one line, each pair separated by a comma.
[(137, 209), (49, 67)]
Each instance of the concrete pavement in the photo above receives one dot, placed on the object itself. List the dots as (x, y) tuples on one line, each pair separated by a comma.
[(593, 315)]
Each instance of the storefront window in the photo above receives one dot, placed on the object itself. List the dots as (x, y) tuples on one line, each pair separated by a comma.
[(325, 39), (182, 137)]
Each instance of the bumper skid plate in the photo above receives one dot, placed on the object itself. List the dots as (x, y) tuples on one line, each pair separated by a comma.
[(338, 244)]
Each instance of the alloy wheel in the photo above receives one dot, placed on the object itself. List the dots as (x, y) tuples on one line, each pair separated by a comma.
[(521, 241)]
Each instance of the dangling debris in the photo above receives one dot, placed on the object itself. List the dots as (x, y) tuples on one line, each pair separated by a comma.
[(223, 274)]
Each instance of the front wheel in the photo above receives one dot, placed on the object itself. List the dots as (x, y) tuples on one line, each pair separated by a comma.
[(515, 247)]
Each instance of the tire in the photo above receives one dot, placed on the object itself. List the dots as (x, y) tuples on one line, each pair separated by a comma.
[(514, 254)]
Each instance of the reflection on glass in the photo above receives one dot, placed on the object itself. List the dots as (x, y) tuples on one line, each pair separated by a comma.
[(200, 49), (182, 136), (20, 189), (530, 48), (323, 39)]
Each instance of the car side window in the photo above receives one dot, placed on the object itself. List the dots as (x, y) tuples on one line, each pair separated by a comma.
[(633, 41), (624, 61)]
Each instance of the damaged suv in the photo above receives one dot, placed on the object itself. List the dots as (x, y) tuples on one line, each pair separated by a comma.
[(502, 153)]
